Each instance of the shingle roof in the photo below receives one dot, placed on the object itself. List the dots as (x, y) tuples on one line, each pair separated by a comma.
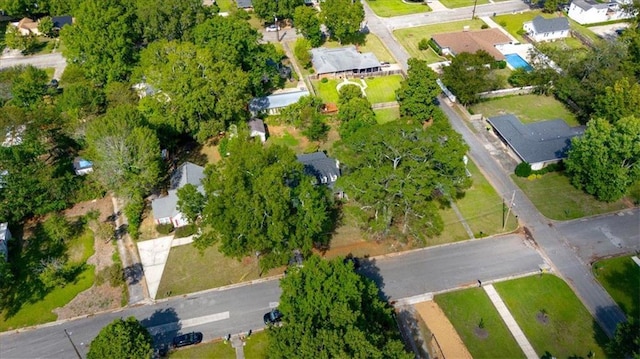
[(472, 41), (60, 21), (318, 165), (187, 173), (276, 101), (257, 125), (588, 4), (542, 25), (342, 59), (536, 142), (244, 4)]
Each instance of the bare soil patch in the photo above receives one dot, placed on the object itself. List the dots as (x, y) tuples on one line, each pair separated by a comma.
[(542, 318), (480, 333), (447, 338)]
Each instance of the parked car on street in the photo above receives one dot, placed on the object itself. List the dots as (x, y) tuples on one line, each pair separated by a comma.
[(273, 28), (187, 339), (272, 317)]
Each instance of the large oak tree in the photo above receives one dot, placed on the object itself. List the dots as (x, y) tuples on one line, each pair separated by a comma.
[(122, 339)]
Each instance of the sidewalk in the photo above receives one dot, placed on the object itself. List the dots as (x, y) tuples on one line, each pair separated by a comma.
[(514, 328)]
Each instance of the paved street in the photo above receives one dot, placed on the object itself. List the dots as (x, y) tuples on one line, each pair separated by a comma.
[(55, 61), (220, 312)]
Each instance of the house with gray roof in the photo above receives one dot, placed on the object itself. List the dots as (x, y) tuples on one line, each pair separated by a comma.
[(324, 169), (165, 209), (592, 12), (541, 29), (343, 61), (272, 104), (244, 4), (539, 143), (257, 129)]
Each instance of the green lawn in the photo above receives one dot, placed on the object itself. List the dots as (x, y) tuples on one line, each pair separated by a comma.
[(621, 278), (552, 317), (466, 309), (215, 350), (187, 271), (514, 22), (287, 140), (225, 5), (389, 8), (373, 44), (409, 38), (462, 3), (555, 197), (379, 89), (584, 31), (256, 347), (385, 115), (528, 108)]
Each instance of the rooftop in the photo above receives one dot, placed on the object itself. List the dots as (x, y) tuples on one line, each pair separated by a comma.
[(472, 41), (588, 4), (542, 25), (342, 59), (326, 170), (539, 141), (244, 4), (276, 101), (187, 173)]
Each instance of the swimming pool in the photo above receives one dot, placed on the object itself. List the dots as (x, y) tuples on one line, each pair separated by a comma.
[(517, 62)]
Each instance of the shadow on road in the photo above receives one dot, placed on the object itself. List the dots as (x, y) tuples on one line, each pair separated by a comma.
[(369, 269), (163, 325)]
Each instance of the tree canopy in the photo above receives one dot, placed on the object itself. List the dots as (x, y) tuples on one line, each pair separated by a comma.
[(343, 18), (122, 339), (618, 101), (418, 92), (399, 172), (307, 23), (283, 9), (169, 19), (605, 161), (355, 111), (467, 76), (330, 311), (259, 200), (190, 202)]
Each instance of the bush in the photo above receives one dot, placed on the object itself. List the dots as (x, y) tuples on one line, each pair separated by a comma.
[(223, 147), (435, 47), (519, 78), (112, 274), (133, 211), (423, 44), (523, 169), (165, 228), (499, 64), (634, 193), (503, 23), (521, 32), (484, 26), (185, 231), (324, 80), (554, 167)]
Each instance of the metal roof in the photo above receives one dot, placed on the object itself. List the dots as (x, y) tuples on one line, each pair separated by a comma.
[(276, 101), (342, 59)]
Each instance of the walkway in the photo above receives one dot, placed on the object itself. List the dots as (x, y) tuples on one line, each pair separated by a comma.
[(514, 328), (153, 256)]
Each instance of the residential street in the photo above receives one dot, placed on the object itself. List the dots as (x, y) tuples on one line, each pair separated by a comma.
[(56, 61)]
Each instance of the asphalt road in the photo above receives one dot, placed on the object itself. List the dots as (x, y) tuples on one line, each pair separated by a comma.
[(220, 312), (56, 61)]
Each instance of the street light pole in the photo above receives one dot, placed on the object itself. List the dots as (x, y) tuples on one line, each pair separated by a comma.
[(277, 27), (473, 14)]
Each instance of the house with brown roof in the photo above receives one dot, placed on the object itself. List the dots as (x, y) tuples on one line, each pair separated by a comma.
[(27, 26), (453, 43)]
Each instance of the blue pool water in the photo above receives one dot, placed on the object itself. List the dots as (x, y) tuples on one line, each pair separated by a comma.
[(517, 62)]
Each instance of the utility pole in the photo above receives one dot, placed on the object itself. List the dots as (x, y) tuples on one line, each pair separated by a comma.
[(513, 197), (72, 344), (473, 13), (277, 27)]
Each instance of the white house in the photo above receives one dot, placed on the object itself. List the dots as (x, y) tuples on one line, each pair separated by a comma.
[(541, 29), (591, 12), (257, 129), (5, 235), (165, 209)]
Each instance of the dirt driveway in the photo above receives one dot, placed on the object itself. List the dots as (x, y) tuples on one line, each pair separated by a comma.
[(447, 338)]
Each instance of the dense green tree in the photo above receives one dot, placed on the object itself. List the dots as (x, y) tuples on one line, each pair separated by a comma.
[(120, 93), (15, 40), (317, 130), (60, 7), (355, 111), (169, 19), (125, 153), (190, 202), (619, 101), (307, 23), (234, 40), (19, 8), (398, 172), (551, 6), (80, 101), (467, 76), (330, 311), (198, 95), (301, 50), (417, 93), (283, 9), (45, 26), (605, 161), (306, 114), (260, 200), (343, 18), (626, 341), (122, 339), (29, 87), (103, 39), (348, 93)]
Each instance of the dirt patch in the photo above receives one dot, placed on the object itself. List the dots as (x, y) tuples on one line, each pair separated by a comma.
[(542, 318), (103, 205), (447, 338), (480, 333)]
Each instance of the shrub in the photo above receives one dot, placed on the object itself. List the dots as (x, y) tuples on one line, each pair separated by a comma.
[(634, 193), (223, 147), (185, 231), (423, 44), (523, 169), (165, 228), (112, 274), (499, 64), (484, 26), (519, 78), (435, 47), (324, 80), (503, 23), (133, 211), (521, 32)]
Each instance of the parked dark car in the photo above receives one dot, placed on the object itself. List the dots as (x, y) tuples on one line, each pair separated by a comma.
[(272, 317), (187, 339)]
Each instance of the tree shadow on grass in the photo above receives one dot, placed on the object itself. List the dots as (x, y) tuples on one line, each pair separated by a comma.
[(626, 280), (163, 325)]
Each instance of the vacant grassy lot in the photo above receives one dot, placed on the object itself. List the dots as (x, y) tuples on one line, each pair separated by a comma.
[(182, 275), (552, 317), (379, 89), (620, 277), (478, 323), (555, 197), (373, 44), (389, 8), (385, 115), (214, 350), (409, 38), (528, 108), (462, 3)]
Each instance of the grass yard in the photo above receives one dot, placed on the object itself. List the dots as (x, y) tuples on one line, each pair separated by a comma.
[(620, 277), (584, 31), (389, 8), (256, 347), (514, 22), (373, 44), (326, 90), (379, 89), (187, 271), (409, 38), (552, 317), (482, 206), (462, 3), (555, 197), (528, 108), (214, 350), (225, 5), (287, 139), (384, 115), (466, 309)]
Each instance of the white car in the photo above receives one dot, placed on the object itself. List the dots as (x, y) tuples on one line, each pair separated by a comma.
[(272, 28)]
